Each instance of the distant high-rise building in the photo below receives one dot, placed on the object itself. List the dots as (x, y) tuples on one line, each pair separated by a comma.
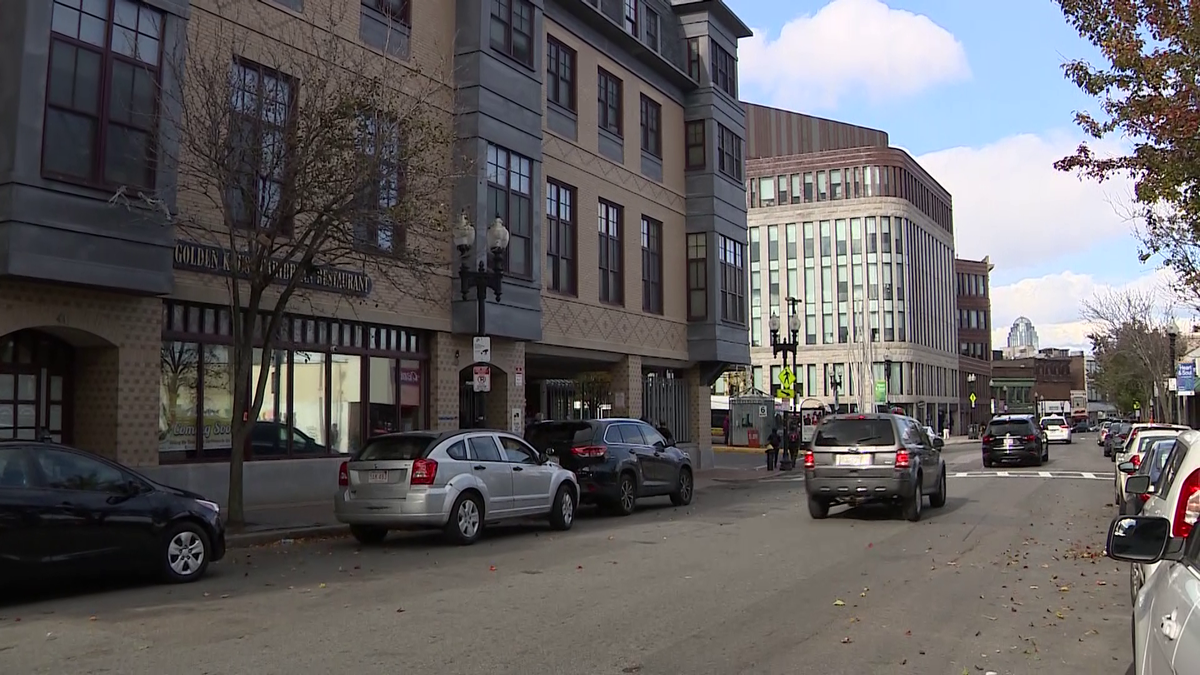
[(1023, 334)]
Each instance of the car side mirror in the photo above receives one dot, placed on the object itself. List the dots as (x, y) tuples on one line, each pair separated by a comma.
[(1138, 539), (1127, 467), (1137, 485), (938, 443)]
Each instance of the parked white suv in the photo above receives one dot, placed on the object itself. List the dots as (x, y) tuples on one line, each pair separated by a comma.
[(1166, 623), (1174, 496), (1056, 428)]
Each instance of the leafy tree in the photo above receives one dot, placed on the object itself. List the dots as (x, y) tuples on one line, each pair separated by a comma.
[(1149, 94), (1131, 346)]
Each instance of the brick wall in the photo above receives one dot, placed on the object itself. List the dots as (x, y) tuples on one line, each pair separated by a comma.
[(119, 339), (627, 387)]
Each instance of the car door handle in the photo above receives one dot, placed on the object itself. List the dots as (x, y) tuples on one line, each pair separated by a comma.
[(517, 468), (479, 467), (1169, 627)]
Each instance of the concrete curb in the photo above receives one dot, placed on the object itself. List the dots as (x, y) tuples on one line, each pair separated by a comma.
[(732, 449), (249, 539)]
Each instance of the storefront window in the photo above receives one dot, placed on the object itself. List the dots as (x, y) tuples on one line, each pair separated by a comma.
[(345, 403), (313, 399), (216, 434), (308, 403), (411, 412), (384, 414), (177, 399)]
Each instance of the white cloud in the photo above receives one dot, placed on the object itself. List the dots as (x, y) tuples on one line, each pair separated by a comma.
[(1010, 202), (860, 46), (1054, 304)]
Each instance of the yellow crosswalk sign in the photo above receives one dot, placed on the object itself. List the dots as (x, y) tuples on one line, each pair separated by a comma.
[(786, 378), (785, 392)]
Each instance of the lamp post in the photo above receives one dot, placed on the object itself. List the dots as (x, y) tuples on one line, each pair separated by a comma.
[(790, 346), (887, 383), (971, 389), (488, 274), (1172, 336)]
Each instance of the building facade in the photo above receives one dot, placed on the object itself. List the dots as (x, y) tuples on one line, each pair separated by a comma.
[(859, 239), (972, 279), (115, 330), (1038, 385), (1022, 339)]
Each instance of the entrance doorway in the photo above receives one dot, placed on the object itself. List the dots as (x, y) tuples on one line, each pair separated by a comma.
[(35, 385)]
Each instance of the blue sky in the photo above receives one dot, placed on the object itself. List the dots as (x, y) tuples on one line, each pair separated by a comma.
[(975, 91)]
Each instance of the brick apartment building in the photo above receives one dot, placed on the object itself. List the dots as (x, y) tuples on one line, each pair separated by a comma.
[(1030, 385), (862, 238), (972, 281), (93, 302)]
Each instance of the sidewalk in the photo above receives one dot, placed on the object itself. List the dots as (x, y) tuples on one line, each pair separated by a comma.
[(269, 524)]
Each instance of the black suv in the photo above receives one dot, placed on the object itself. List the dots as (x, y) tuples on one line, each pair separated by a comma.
[(617, 461), (1014, 439), (874, 457)]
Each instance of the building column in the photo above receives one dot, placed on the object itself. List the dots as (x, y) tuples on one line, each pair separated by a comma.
[(700, 419), (444, 382), (626, 387), (505, 407)]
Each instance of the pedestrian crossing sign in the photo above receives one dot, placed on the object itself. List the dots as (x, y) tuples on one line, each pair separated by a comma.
[(786, 378)]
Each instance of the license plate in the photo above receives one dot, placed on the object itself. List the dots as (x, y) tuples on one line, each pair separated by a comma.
[(1009, 443), (853, 460), (377, 477)]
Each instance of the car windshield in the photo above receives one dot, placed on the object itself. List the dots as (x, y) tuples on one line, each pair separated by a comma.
[(1160, 452), (1148, 441), (1048, 422), (396, 448), (851, 432), (545, 436), (1009, 428)]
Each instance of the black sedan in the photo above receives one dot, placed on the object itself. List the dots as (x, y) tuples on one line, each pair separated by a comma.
[(617, 461), (67, 513)]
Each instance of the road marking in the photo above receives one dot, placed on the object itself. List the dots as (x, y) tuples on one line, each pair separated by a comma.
[(1075, 475), (1087, 474), (1001, 473), (1045, 474)]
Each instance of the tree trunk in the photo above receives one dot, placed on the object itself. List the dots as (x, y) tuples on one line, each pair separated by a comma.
[(240, 427)]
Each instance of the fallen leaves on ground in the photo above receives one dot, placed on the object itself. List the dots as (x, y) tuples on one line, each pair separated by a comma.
[(839, 603)]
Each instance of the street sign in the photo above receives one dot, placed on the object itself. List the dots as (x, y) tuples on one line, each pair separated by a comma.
[(1186, 379), (482, 348), (483, 378), (973, 398), (881, 392), (785, 392), (762, 411), (786, 380), (519, 375)]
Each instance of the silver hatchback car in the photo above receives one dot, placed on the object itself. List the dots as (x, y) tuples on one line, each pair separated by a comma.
[(456, 481)]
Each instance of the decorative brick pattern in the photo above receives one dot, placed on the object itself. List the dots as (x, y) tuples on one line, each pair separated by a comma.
[(118, 339), (700, 418), (627, 387), (452, 354)]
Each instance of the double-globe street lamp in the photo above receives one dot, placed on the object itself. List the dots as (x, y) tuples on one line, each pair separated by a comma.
[(487, 274), (971, 387), (784, 347), (887, 384)]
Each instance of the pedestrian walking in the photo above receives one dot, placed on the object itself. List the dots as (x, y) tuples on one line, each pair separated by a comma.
[(725, 427), (773, 443)]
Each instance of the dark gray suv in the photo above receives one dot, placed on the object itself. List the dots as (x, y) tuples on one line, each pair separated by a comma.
[(874, 457)]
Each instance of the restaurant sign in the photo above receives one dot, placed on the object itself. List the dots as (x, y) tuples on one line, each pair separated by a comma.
[(216, 260)]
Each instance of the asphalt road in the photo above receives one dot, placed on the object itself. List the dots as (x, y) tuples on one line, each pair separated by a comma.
[(1007, 578)]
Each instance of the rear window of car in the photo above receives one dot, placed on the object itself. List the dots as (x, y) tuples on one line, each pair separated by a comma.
[(396, 448), (1160, 452), (869, 432), (1048, 422), (545, 436), (1010, 427)]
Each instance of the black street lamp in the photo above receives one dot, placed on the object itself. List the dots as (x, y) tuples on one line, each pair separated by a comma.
[(971, 387), (887, 383), (489, 274), (835, 383), (790, 346)]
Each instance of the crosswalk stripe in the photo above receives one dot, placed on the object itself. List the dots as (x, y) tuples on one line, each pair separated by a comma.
[(1077, 475), (1045, 474), (1087, 474)]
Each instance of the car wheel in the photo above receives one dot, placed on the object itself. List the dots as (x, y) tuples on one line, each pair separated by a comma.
[(684, 487), (818, 508), (626, 496), (562, 511), (466, 520), (366, 534), (185, 553), (912, 508), (938, 499)]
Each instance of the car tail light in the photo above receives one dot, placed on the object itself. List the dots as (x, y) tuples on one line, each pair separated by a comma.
[(1031, 437), (1188, 507), (1145, 497), (344, 475), (987, 439), (1136, 460), (903, 461), (810, 460), (424, 471), (591, 451)]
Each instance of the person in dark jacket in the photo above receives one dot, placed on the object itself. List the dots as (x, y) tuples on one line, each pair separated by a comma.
[(773, 443)]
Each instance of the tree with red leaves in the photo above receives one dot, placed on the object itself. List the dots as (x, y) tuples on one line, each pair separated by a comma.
[(1149, 91)]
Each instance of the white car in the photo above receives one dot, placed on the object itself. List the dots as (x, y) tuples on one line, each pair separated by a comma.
[(1166, 623), (1174, 496), (1057, 429), (1133, 454)]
